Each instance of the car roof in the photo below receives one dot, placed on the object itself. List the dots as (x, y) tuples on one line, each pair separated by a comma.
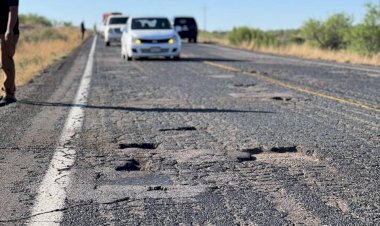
[(118, 16), (184, 17), (149, 17)]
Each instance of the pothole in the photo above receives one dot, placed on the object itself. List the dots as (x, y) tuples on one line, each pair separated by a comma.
[(157, 188), (253, 151), (189, 128), (241, 85), (149, 146), (249, 154), (245, 158), (282, 98), (242, 156), (130, 165), (283, 150), (280, 150)]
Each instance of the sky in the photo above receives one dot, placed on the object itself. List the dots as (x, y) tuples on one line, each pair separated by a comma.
[(214, 15)]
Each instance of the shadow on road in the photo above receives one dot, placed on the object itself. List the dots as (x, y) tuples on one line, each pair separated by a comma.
[(201, 59), (136, 109), (189, 59)]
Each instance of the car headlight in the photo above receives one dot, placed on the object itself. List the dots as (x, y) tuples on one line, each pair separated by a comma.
[(137, 41), (173, 40)]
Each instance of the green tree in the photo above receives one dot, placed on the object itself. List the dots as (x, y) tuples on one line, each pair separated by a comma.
[(240, 35), (313, 31), (366, 36), (334, 33)]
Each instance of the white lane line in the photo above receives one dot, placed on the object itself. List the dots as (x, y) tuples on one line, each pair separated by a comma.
[(52, 193)]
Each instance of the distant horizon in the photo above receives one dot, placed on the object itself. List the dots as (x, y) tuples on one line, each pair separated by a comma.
[(220, 15)]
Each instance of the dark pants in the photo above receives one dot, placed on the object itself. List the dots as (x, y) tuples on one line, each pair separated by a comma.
[(8, 49), (83, 33)]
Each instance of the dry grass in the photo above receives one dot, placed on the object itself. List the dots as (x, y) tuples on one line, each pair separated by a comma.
[(307, 52), (212, 38), (32, 57), (303, 51)]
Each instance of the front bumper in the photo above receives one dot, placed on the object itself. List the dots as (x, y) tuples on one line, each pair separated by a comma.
[(155, 50), (188, 34), (113, 38)]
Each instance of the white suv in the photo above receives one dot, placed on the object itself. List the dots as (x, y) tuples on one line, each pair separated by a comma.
[(113, 28)]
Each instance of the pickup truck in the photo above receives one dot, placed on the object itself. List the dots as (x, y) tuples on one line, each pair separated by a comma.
[(113, 28)]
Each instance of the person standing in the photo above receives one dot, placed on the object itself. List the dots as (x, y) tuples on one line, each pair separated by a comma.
[(9, 34), (82, 29)]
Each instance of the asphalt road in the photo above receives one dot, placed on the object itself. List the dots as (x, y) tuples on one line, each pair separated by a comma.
[(221, 137)]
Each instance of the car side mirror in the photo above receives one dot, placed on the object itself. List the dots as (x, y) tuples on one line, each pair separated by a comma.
[(178, 28)]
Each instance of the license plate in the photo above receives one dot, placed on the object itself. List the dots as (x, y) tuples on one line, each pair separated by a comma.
[(155, 50)]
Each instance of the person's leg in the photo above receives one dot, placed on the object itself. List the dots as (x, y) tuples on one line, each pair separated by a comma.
[(3, 76), (8, 49)]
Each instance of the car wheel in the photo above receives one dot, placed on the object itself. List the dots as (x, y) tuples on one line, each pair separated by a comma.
[(195, 40), (176, 58), (108, 43)]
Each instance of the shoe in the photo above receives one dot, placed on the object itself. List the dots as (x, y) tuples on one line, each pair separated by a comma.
[(7, 100)]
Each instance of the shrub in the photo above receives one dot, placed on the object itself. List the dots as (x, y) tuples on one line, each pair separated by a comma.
[(35, 19), (251, 36), (334, 33), (366, 36), (287, 37), (239, 35), (68, 24)]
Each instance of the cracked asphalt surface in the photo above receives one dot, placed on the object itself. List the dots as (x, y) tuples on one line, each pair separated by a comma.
[(187, 143)]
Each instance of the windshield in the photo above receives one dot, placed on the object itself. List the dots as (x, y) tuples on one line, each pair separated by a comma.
[(151, 24), (118, 20), (185, 21)]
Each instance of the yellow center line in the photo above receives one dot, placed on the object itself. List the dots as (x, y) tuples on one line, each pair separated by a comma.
[(343, 100)]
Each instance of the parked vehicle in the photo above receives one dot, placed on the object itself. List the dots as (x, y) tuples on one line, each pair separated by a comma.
[(106, 15), (150, 37), (104, 21), (187, 28), (113, 28)]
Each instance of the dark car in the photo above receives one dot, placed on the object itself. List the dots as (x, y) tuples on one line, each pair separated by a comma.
[(187, 28)]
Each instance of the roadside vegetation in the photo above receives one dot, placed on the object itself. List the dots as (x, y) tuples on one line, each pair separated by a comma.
[(41, 43), (337, 39)]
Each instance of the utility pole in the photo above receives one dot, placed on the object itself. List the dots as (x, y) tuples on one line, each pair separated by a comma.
[(205, 18)]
